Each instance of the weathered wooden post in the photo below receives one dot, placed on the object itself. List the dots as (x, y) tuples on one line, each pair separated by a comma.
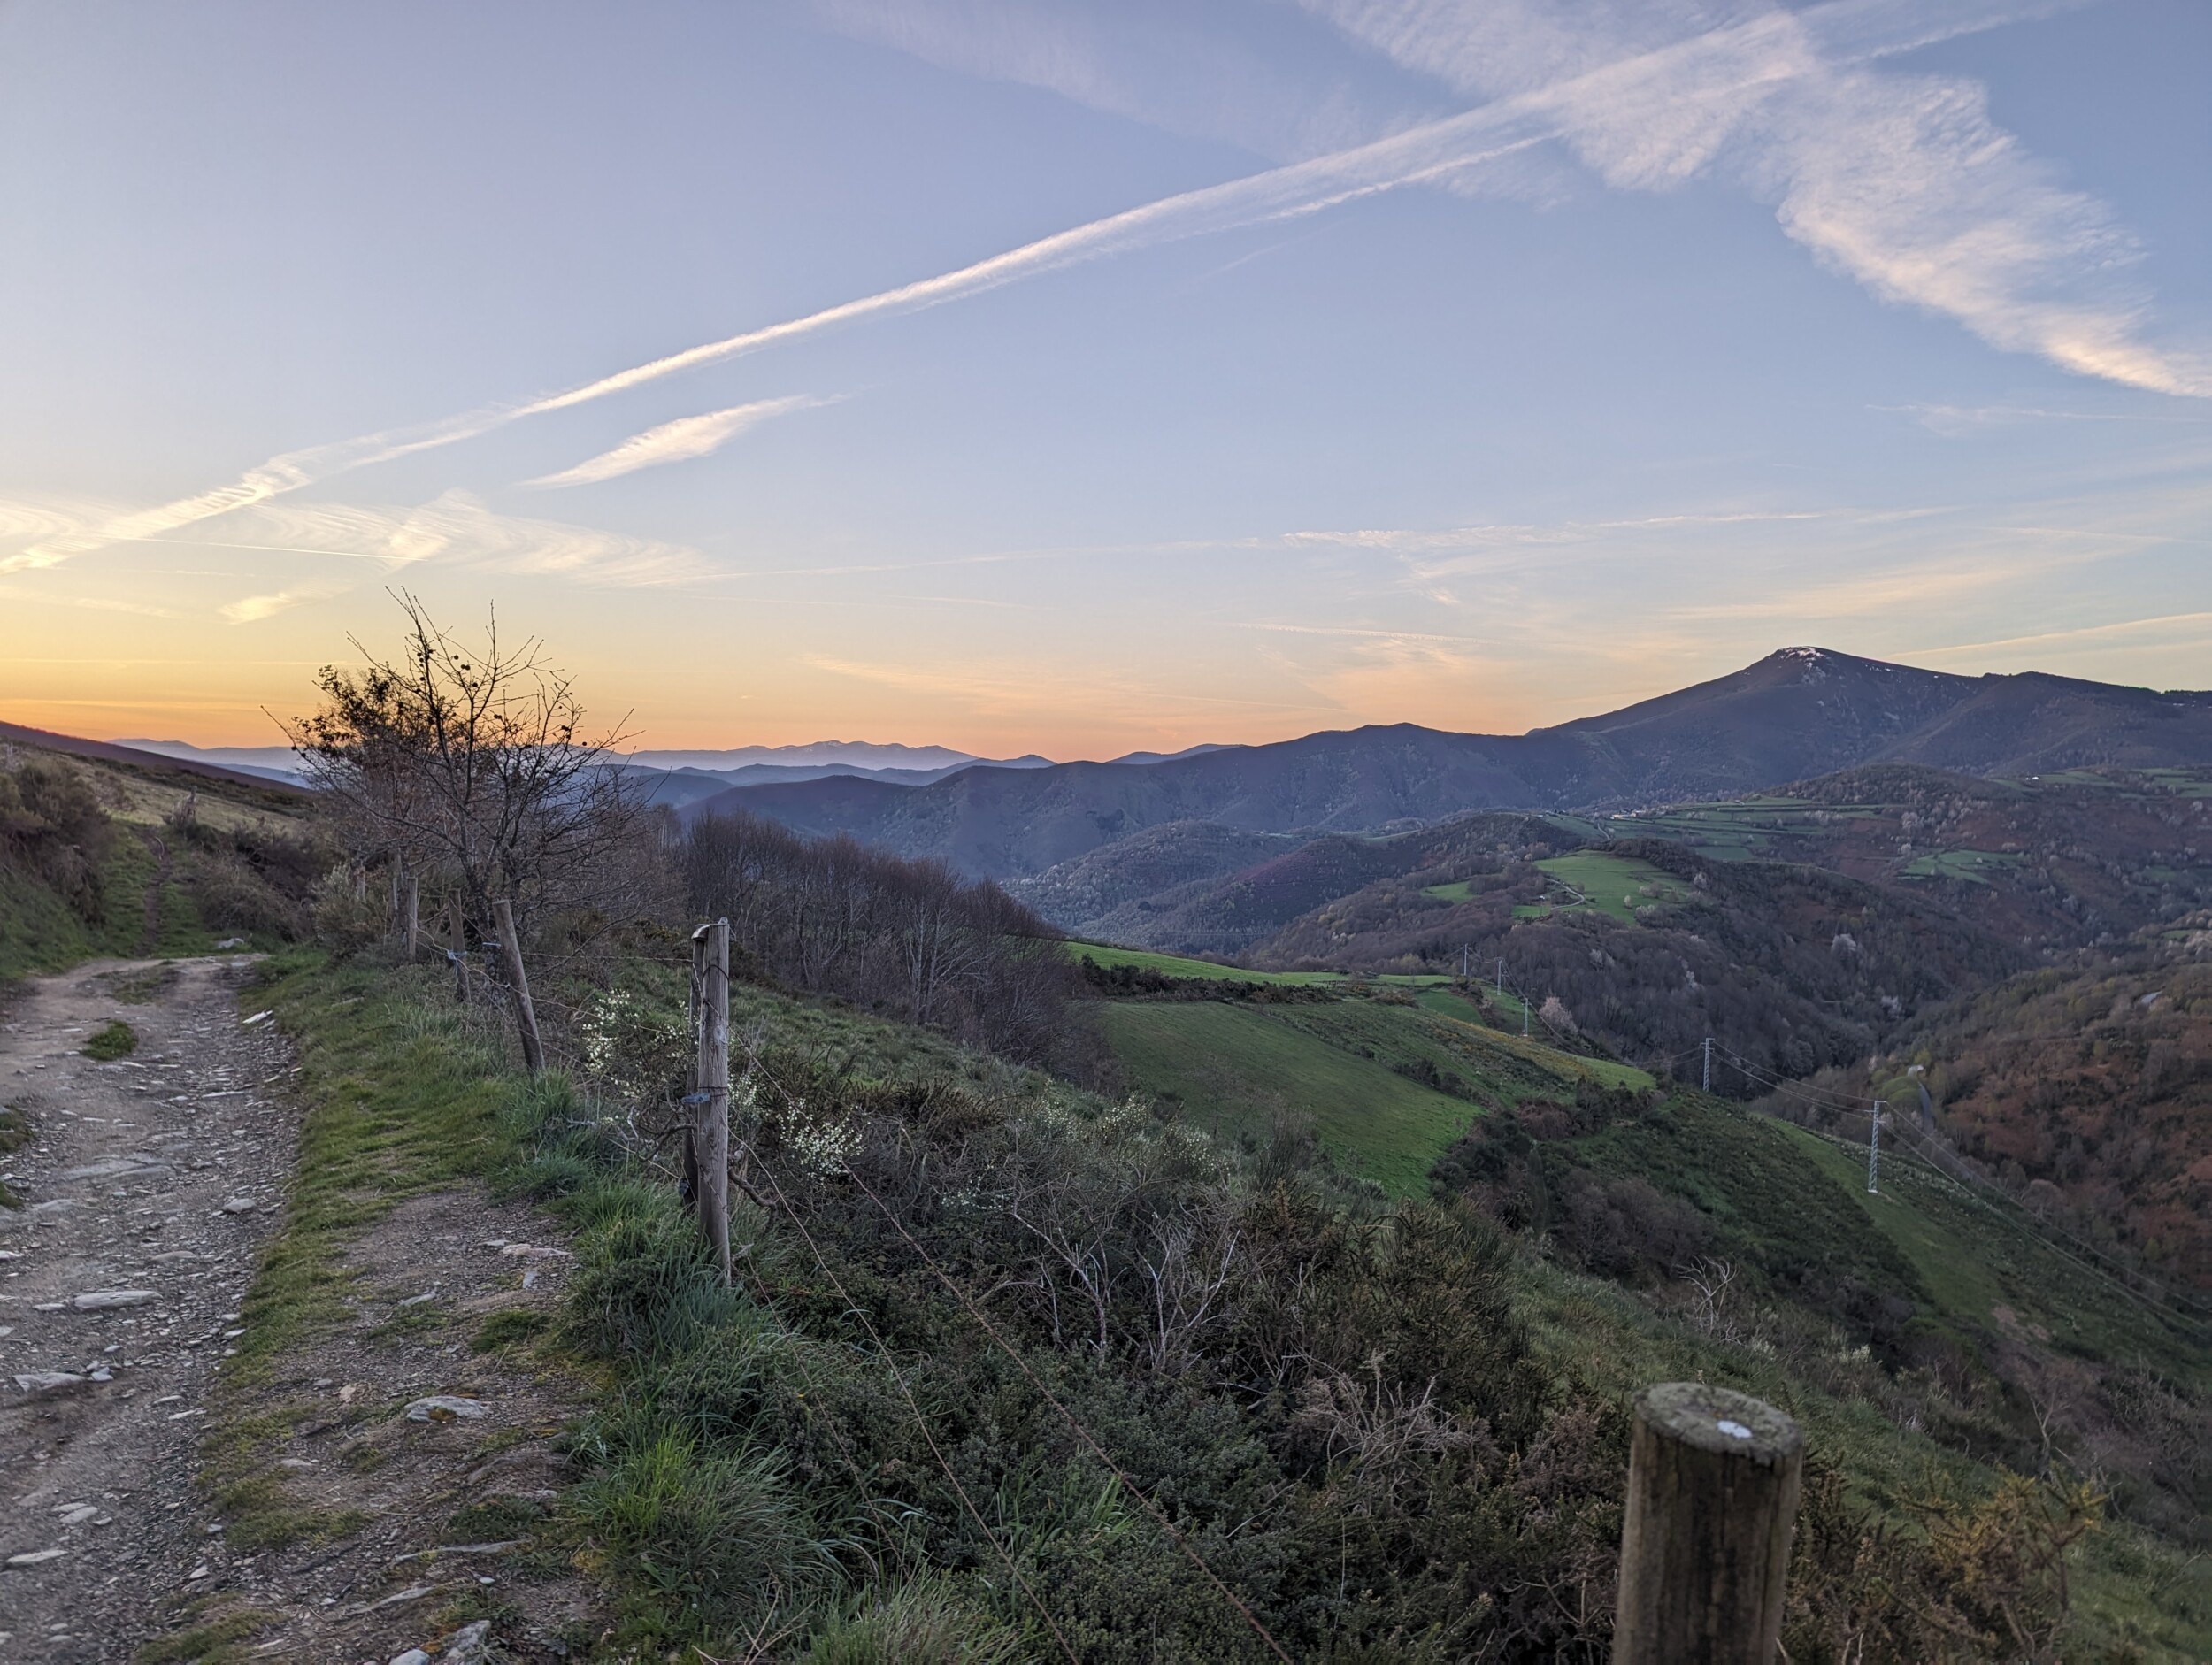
[(460, 949), (1713, 1478), (695, 1096), (526, 1013), (711, 1129), (410, 915)]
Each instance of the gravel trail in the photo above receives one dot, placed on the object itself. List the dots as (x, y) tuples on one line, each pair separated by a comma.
[(147, 1187)]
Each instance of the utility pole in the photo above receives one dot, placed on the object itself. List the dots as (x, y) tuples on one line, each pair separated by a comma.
[(1465, 950), (1874, 1149), (1709, 1063), (1500, 977), (1523, 1016)]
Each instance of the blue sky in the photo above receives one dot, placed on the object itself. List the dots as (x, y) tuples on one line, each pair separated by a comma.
[(1026, 376)]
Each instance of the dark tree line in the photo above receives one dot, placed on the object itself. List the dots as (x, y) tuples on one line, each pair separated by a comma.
[(909, 939)]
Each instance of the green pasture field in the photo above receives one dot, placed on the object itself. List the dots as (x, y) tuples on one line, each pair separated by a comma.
[(1499, 1066), (1606, 884), (1970, 866), (1176, 965), (1234, 1067)]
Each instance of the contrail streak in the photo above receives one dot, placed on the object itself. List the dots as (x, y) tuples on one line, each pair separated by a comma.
[(1432, 152)]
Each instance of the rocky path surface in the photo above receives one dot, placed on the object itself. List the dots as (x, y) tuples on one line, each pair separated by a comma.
[(147, 1185), (398, 1455)]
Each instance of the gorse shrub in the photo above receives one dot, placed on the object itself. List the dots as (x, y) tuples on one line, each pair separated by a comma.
[(52, 823)]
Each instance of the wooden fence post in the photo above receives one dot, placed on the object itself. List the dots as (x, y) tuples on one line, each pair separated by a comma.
[(410, 915), (460, 950), (711, 1134), (526, 1013), (1713, 1478), (695, 1096)]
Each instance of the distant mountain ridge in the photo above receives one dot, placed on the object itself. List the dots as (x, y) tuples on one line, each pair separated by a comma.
[(865, 757), (1797, 713), (671, 778)]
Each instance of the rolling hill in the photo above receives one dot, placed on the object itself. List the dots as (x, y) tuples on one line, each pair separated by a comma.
[(108, 850), (1798, 713)]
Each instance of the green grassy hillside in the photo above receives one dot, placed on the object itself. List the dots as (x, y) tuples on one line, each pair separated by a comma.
[(1387, 1087)]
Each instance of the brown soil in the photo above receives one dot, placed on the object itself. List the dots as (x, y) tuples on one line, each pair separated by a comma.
[(359, 1533)]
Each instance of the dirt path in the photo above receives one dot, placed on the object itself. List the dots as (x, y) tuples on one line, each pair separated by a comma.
[(148, 1185), (386, 1479)]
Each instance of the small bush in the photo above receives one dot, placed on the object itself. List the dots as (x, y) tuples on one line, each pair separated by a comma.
[(347, 918), (52, 823), (232, 897)]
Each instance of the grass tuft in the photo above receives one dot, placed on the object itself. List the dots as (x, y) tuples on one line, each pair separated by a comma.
[(116, 1039)]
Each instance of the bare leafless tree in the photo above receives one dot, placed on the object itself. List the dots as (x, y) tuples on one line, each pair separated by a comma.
[(473, 768)]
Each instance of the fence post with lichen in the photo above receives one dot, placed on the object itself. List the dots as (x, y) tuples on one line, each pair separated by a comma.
[(1713, 1480)]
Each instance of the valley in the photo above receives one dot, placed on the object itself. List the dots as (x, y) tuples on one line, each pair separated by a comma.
[(1243, 1134)]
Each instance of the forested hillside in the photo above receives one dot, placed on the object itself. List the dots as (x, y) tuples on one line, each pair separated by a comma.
[(2085, 1091)]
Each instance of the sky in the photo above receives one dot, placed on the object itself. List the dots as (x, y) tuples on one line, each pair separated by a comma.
[(1044, 376)]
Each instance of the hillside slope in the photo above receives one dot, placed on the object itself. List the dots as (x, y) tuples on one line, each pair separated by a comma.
[(103, 850)]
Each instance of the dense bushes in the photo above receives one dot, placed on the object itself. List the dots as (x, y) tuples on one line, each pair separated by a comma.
[(251, 878), (53, 825)]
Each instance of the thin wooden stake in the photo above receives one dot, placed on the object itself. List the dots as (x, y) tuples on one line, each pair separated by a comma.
[(688, 1187), (711, 953), (460, 949), (1713, 1478), (410, 915), (526, 1013)]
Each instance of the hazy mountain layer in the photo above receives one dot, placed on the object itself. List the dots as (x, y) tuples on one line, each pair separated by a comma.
[(1798, 713)]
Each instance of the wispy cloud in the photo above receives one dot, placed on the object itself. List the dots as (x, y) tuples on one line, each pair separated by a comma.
[(1955, 421), (1901, 181), (678, 441), (454, 528), (251, 610), (1260, 78), (2198, 627)]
